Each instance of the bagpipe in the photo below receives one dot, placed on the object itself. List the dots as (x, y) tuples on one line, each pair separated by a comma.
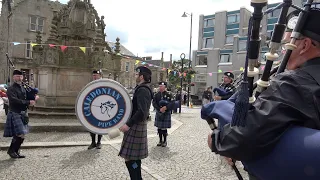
[(295, 155), (31, 92)]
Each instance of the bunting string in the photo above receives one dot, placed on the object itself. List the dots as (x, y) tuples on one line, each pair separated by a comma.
[(137, 62)]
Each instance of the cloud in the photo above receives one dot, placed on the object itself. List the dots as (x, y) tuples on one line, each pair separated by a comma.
[(113, 33), (149, 27)]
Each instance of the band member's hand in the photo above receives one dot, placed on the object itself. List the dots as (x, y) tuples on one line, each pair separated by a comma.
[(32, 103), (124, 128), (229, 161), (37, 97), (210, 141), (217, 98)]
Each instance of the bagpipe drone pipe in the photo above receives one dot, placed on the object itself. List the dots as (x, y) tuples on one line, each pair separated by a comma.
[(30, 91), (295, 155)]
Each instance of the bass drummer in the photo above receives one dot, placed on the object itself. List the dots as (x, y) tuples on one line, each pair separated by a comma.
[(95, 76), (291, 99)]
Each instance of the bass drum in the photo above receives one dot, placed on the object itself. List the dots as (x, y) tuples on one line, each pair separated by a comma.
[(103, 106)]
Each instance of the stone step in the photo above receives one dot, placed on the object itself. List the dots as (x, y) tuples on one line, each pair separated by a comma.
[(60, 109), (51, 115)]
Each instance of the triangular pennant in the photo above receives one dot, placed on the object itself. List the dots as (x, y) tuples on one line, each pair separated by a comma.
[(63, 48), (33, 44), (150, 65), (210, 74), (16, 43), (137, 62), (220, 71), (52, 45), (241, 69), (83, 49), (143, 63)]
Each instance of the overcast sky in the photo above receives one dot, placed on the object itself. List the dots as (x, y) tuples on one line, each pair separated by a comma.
[(148, 27)]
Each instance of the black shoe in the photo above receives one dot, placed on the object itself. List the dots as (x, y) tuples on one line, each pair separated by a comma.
[(13, 155), (93, 145), (164, 144), (20, 156), (159, 144), (98, 145)]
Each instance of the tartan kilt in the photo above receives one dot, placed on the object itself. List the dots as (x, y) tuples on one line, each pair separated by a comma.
[(14, 125), (163, 120), (135, 142)]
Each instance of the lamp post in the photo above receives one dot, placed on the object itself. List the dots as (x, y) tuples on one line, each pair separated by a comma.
[(186, 15), (182, 56)]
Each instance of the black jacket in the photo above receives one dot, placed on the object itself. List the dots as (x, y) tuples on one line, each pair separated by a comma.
[(167, 96), (17, 98), (141, 103), (293, 98)]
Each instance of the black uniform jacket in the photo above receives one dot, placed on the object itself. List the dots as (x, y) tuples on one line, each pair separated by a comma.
[(229, 88), (163, 96), (17, 98), (141, 103), (293, 98)]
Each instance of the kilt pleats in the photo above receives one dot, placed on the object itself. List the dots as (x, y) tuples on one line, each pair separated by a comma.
[(135, 142), (14, 125)]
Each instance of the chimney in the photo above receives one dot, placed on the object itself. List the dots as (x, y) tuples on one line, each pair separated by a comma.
[(170, 61)]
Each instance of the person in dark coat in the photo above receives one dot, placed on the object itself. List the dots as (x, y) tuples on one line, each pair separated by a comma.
[(135, 143), (227, 88), (207, 96), (95, 76), (163, 102), (291, 99), (17, 119)]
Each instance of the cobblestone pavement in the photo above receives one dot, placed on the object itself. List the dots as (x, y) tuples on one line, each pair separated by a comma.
[(186, 157)]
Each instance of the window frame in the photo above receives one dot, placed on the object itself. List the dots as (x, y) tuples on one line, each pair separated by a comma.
[(36, 24), (205, 43), (127, 66), (30, 49), (205, 60), (206, 22), (230, 35), (245, 43), (237, 20), (229, 59)]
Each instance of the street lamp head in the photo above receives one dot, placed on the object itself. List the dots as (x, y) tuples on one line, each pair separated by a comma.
[(184, 14)]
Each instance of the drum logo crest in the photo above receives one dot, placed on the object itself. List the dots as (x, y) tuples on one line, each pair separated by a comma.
[(103, 105)]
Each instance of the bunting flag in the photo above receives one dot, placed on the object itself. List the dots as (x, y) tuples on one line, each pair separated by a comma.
[(83, 49), (210, 74), (63, 48), (52, 45), (33, 44), (262, 68), (241, 69), (16, 43), (137, 62)]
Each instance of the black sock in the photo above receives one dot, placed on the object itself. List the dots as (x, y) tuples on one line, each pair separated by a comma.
[(160, 134), (93, 138), (165, 134), (134, 168), (18, 143), (99, 139)]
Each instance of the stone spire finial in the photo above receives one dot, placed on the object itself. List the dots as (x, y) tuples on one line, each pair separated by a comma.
[(53, 31), (117, 50)]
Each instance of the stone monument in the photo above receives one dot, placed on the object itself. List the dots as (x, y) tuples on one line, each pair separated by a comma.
[(63, 66)]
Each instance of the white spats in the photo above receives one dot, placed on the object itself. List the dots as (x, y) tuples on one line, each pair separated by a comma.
[(114, 133)]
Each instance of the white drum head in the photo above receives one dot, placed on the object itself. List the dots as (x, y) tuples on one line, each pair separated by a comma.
[(103, 105)]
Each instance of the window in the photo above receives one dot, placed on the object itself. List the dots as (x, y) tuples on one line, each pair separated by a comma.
[(315, 5), (224, 58), (127, 66), (242, 46), (233, 18), (229, 39), (36, 23), (208, 22), (202, 60), (28, 50), (269, 35), (208, 43), (275, 13)]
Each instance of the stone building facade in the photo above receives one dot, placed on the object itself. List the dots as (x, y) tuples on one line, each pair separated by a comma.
[(26, 18)]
